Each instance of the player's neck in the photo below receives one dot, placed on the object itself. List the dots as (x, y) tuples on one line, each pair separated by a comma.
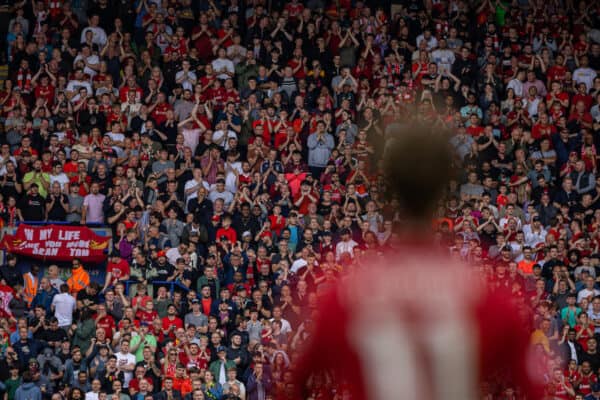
[(415, 231)]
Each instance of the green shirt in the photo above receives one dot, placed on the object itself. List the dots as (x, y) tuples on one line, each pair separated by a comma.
[(570, 316), (149, 340), (38, 177), (11, 387)]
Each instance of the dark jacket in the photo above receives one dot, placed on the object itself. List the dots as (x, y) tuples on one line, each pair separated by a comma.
[(162, 395), (565, 352)]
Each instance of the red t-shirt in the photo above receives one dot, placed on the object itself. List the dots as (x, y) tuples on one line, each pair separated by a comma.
[(303, 208), (228, 232), (539, 130), (118, 270), (166, 323), (146, 316), (160, 113), (108, 323), (277, 223)]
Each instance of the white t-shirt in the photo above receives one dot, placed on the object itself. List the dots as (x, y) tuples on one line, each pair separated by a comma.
[(230, 180), (186, 83), (190, 184), (99, 37), (3, 168), (116, 137), (64, 305), (91, 396), (173, 254), (122, 360), (219, 63), (74, 86), (296, 265), (191, 137), (583, 293), (92, 59), (345, 247), (585, 75), (61, 178), (218, 135)]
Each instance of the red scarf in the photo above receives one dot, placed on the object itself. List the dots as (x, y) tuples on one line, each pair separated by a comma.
[(25, 86), (12, 213)]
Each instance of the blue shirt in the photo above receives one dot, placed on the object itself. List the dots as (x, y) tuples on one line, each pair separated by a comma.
[(44, 298)]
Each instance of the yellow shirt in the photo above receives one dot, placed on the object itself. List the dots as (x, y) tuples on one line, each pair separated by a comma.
[(539, 337), (38, 178)]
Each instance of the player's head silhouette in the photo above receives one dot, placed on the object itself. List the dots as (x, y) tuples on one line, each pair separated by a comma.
[(418, 164)]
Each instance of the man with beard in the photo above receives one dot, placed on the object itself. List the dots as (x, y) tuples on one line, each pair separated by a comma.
[(38, 177), (592, 356), (32, 205)]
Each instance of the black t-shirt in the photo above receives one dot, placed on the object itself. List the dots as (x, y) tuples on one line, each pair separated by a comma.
[(32, 208), (104, 182), (8, 187), (155, 380), (87, 299), (164, 271), (187, 175), (11, 275), (57, 212), (49, 335)]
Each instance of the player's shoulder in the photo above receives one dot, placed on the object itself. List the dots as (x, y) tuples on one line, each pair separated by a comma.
[(411, 276)]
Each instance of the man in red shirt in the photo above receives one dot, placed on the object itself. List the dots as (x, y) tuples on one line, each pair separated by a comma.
[(105, 321), (305, 197), (117, 270), (226, 230), (171, 322)]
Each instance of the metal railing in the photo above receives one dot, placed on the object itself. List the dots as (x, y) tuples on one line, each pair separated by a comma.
[(170, 284)]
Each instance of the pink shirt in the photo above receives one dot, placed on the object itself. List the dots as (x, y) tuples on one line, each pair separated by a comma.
[(93, 204)]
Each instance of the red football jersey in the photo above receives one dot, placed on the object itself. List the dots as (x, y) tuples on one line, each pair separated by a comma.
[(417, 325)]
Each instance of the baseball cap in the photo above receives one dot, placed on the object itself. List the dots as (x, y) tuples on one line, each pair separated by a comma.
[(195, 301), (221, 348), (161, 253)]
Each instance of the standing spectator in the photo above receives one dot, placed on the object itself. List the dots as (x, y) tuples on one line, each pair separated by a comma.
[(92, 211), (320, 144)]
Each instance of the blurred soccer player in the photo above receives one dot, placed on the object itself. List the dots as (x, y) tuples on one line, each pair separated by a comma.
[(415, 323)]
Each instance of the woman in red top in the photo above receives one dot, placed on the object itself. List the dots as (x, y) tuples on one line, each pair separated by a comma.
[(169, 363)]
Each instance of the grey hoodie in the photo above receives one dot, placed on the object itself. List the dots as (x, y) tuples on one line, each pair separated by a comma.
[(28, 391)]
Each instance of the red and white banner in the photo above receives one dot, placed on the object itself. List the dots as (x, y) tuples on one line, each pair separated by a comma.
[(57, 243)]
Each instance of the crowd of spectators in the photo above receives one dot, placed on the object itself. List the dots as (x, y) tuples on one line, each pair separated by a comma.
[(235, 149)]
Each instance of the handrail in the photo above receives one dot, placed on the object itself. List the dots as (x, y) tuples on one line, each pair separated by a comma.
[(91, 224), (171, 284)]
